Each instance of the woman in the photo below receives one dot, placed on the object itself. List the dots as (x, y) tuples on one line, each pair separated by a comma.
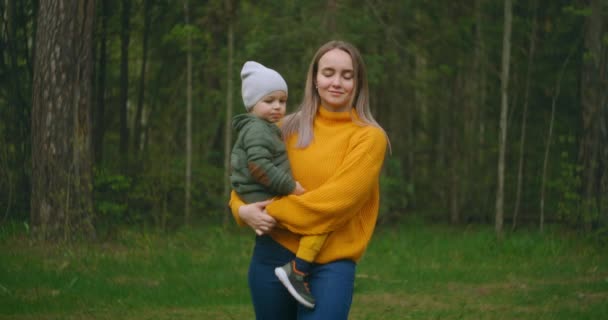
[(336, 150)]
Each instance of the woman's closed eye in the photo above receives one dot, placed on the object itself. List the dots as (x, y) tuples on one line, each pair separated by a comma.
[(347, 75), (328, 73)]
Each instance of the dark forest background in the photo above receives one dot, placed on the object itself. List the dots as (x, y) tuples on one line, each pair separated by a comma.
[(113, 113)]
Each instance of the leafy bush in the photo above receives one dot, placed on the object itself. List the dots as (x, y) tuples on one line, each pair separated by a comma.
[(110, 192), (395, 192)]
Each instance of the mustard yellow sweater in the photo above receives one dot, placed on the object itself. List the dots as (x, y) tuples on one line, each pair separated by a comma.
[(340, 170)]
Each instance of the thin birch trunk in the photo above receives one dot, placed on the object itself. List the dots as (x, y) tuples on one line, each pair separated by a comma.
[(124, 82), (480, 63), (137, 133), (524, 116), (506, 56)]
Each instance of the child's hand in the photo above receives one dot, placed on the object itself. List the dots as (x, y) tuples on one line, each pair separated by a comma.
[(298, 190)]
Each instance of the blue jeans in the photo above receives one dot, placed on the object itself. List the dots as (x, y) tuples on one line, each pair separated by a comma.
[(331, 284)]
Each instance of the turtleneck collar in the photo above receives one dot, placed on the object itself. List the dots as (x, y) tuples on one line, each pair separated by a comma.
[(342, 116)]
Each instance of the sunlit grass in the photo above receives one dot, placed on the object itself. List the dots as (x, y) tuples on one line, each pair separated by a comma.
[(409, 272)]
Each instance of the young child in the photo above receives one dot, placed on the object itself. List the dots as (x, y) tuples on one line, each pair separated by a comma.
[(260, 167)]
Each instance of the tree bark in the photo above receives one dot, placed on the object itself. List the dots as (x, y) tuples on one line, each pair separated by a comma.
[(481, 86), (456, 145), (593, 153), (229, 104), (329, 21), (99, 127), (124, 81), (137, 132), (188, 120), (504, 80), (524, 116), (7, 177), (61, 200)]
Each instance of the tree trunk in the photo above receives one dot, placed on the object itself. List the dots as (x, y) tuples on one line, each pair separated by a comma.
[(522, 139), (7, 177), (124, 81), (504, 80), (421, 111), (481, 76), (137, 132), (188, 120), (455, 147), (329, 21), (100, 103), (593, 154), (61, 200), (229, 103)]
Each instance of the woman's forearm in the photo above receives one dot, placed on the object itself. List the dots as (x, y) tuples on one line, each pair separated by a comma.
[(341, 197)]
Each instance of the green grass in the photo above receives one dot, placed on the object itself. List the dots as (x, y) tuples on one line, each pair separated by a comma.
[(410, 272)]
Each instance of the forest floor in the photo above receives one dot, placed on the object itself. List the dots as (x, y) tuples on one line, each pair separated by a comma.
[(414, 271)]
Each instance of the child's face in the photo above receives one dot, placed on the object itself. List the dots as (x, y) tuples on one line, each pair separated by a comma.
[(271, 107)]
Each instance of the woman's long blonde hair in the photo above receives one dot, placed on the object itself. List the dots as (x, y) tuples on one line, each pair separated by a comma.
[(301, 121)]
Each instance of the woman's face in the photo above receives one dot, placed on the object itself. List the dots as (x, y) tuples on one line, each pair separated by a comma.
[(335, 80)]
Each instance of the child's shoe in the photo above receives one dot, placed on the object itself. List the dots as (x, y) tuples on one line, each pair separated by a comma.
[(294, 281)]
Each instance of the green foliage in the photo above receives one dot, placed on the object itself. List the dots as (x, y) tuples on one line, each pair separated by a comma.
[(395, 192), (110, 194), (12, 229), (591, 213), (208, 202), (583, 11), (153, 194), (179, 34), (568, 185), (572, 207), (433, 71)]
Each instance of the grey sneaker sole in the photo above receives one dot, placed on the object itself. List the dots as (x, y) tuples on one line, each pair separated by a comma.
[(280, 273)]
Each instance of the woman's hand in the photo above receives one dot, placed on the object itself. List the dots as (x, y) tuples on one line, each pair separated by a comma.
[(255, 216)]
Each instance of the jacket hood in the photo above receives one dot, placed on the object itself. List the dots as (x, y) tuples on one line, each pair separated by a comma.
[(241, 120)]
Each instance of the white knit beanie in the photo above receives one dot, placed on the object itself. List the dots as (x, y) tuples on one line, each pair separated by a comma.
[(257, 81)]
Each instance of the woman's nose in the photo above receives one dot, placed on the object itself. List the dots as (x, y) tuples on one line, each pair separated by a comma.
[(335, 81)]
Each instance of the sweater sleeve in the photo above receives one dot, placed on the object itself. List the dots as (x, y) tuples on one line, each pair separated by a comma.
[(234, 204), (261, 166), (342, 196)]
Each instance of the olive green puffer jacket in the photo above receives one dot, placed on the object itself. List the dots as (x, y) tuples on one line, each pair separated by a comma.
[(259, 164)]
